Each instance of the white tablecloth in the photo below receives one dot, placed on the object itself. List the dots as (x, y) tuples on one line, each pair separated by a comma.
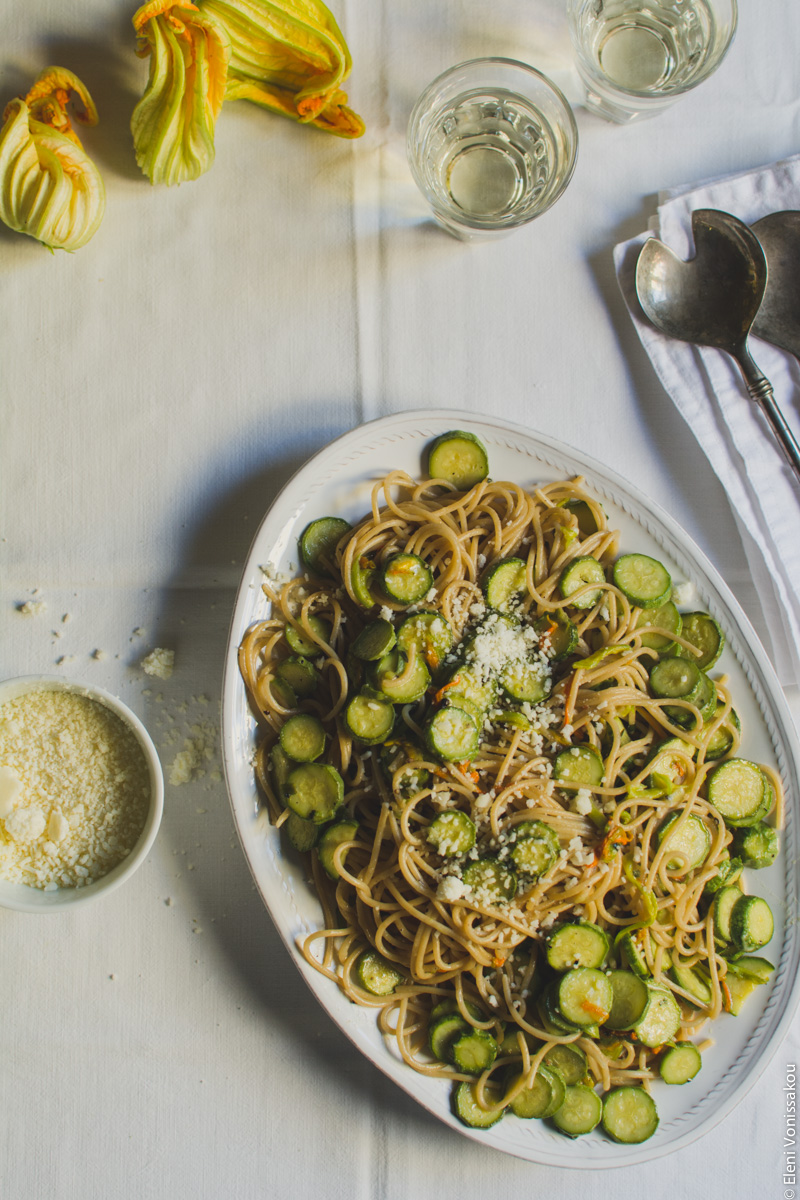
[(157, 388)]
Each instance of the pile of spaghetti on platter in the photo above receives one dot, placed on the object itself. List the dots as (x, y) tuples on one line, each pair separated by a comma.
[(500, 743)]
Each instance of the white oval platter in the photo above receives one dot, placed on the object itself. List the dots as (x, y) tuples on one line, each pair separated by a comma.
[(337, 481)]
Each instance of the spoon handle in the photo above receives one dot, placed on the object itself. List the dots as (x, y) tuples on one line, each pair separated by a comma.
[(760, 390)]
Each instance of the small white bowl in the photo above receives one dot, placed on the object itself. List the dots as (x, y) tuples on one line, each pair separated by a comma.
[(24, 898)]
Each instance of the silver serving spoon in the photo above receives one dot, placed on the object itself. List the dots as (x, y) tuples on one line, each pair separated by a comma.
[(712, 300), (778, 319)]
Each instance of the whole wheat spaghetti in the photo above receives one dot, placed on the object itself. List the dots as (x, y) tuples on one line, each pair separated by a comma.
[(446, 939)]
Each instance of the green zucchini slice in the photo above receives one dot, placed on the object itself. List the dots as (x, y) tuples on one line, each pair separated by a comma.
[(584, 515), (535, 848), (576, 944), (630, 999), (527, 681), (569, 1060), (369, 717), (374, 640), (580, 1112), (752, 923), (490, 881), (629, 1115), (390, 676), (451, 833), (406, 578), (302, 737), (301, 675), (644, 580), (314, 791), (581, 765), (680, 1063), (689, 843), (473, 1051), (757, 845), (740, 792), (676, 679), (458, 457), (452, 734), (317, 544), (749, 966), (469, 1112), (376, 974), (705, 634), (504, 586), (658, 625), (661, 1021), (725, 899), (576, 579), (430, 632), (301, 833), (299, 643), (558, 636), (584, 996), (334, 836), (543, 1097)]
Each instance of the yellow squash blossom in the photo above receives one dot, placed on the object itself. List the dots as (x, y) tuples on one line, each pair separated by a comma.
[(290, 57), (173, 124), (49, 187)]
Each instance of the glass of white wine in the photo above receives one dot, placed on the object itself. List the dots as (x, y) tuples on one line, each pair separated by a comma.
[(492, 144), (636, 57)]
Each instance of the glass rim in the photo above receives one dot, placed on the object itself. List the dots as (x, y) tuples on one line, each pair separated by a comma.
[(497, 61)]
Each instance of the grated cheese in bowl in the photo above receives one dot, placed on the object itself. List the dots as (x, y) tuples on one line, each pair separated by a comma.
[(81, 793)]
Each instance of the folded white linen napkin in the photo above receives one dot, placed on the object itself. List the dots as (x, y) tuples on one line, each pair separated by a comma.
[(707, 388)]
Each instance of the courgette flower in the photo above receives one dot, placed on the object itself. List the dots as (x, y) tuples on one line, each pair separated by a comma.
[(49, 187), (173, 124), (290, 57)]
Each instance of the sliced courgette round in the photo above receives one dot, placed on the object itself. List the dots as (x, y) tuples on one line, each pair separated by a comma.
[(430, 632), (302, 737), (581, 765), (376, 974), (535, 848), (369, 717), (542, 1098), (317, 544), (687, 845), (576, 579), (504, 585), (406, 578), (680, 1063), (458, 457), (490, 881), (300, 643), (451, 833), (374, 640), (629, 1115), (576, 944), (332, 837), (558, 636), (580, 1112), (452, 734), (314, 791), (704, 633), (630, 999), (658, 625), (644, 580), (469, 1111), (740, 792)]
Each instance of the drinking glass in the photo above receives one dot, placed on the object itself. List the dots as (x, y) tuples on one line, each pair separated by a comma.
[(635, 57), (491, 144)]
